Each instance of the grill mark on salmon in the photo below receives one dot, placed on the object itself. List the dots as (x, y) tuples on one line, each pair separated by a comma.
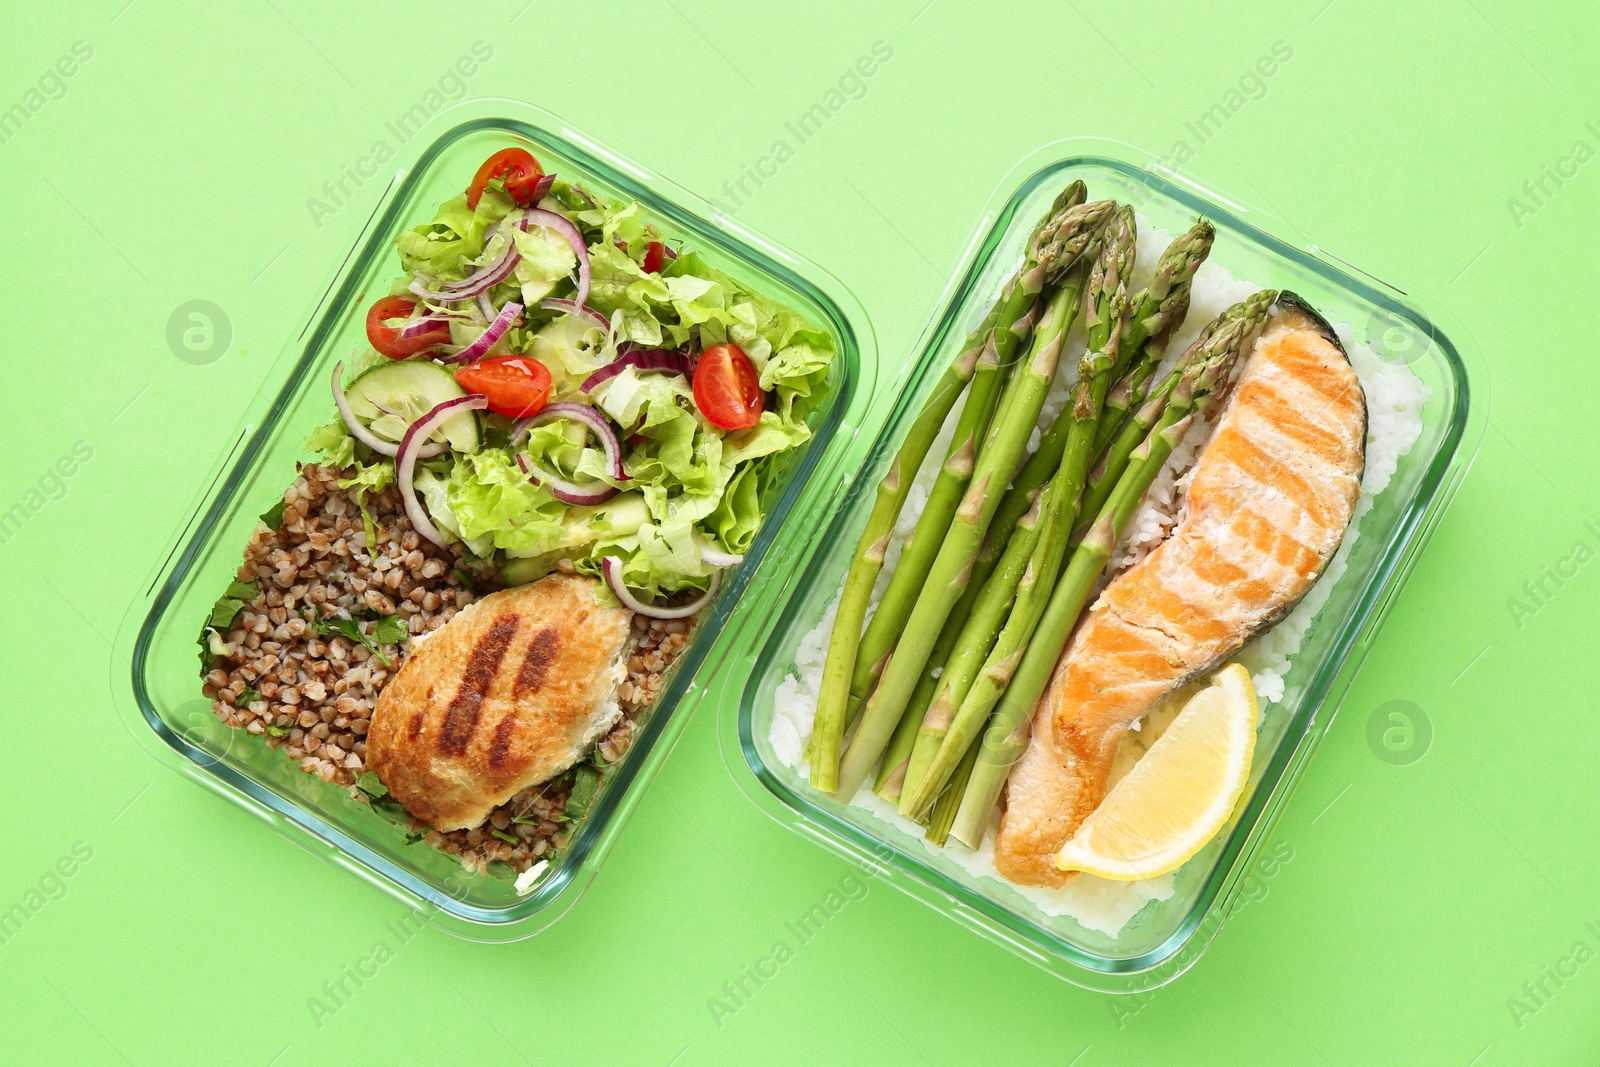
[(461, 718), (1267, 506), (542, 651)]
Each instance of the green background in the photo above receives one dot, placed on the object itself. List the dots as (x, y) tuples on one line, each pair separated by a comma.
[(177, 163)]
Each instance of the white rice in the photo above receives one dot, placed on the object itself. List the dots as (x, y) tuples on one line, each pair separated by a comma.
[(1395, 398)]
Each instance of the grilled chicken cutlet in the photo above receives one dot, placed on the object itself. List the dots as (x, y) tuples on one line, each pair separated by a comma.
[(509, 693), (1267, 506)]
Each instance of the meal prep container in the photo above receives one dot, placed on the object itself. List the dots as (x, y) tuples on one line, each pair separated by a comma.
[(160, 698), (1167, 937)]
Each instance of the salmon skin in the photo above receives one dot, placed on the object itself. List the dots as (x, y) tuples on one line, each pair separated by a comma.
[(1268, 503)]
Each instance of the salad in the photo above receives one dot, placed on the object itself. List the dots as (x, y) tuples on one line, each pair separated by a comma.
[(561, 432), (551, 380)]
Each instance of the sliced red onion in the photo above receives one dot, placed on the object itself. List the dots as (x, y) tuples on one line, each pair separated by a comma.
[(587, 415), (542, 188), (611, 567), (420, 323), (582, 493), (486, 307), (639, 359), (405, 463), (668, 250), (492, 333), (551, 221), (572, 307), (482, 281), (712, 558), (362, 433)]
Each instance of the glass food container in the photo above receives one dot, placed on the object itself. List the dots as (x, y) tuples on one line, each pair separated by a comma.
[(1167, 936), (160, 698)]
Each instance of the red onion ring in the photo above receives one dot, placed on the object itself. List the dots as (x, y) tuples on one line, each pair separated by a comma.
[(572, 307), (611, 567), (542, 188), (485, 278), (587, 415), (362, 433), (419, 323), (405, 463), (491, 334), (640, 359), (551, 221), (582, 493), (712, 558), (486, 307)]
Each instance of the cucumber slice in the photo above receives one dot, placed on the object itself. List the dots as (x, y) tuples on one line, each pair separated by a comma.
[(392, 396)]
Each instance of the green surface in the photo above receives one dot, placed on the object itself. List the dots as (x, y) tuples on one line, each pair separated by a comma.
[(1412, 898)]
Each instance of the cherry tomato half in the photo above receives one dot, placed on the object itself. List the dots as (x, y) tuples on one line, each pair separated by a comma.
[(386, 338), (727, 389), (520, 171), (517, 386), (655, 257)]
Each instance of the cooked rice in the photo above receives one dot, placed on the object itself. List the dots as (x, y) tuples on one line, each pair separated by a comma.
[(1395, 398), (316, 693)]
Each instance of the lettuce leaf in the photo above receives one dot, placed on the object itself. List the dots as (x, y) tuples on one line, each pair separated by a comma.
[(370, 478), (491, 499), (338, 448), (445, 248), (547, 259), (737, 515)]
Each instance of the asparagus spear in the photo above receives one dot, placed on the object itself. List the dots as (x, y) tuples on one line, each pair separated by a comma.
[(1104, 480), (1011, 309), (1155, 313), (892, 771), (1158, 311), (1058, 251), (1205, 366), (946, 736), (974, 638), (828, 728), (917, 555), (944, 811)]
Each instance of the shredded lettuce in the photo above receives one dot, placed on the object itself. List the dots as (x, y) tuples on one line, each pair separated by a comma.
[(445, 248), (547, 259), (338, 448)]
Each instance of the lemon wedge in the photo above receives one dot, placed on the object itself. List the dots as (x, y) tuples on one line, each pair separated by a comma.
[(1179, 794)]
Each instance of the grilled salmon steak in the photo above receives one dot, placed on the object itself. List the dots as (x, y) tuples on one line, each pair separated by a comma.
[(509, 693), (1267, 505)]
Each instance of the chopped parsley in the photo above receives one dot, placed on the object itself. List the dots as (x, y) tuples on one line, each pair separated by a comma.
[(246, 697), (221, 619), (230, 604), (509, 839), (280, 731), (370, 784), (377, 794), (273, 516), (388, 630), (585, 784)]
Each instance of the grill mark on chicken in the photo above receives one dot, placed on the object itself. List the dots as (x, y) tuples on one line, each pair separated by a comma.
[(500, 744), (461, 718), (542, 651)]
